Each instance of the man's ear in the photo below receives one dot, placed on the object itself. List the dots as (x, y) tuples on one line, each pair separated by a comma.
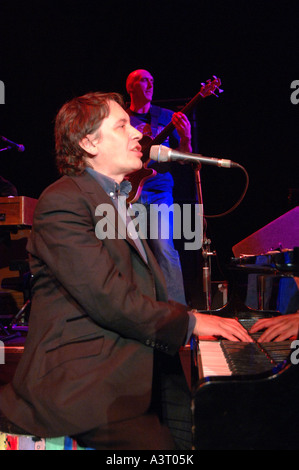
[(87, 145)]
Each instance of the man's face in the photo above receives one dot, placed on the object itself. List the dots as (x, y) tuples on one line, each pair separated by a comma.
[(117, 151), (143, 86)]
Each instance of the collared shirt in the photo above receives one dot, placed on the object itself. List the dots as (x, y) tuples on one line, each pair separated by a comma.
[(111, 187), (118, 193)]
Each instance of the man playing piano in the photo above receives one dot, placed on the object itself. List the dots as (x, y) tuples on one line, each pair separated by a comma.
[(101, 359)]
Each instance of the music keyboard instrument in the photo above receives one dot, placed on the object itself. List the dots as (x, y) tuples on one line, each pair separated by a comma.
[(16, 218), (17, 211), (251, 401)]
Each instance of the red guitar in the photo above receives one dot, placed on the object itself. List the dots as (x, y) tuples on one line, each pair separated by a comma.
[(138, 178)]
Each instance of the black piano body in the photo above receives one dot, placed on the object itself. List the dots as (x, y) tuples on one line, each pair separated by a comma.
[(257, 412), (251, 411)]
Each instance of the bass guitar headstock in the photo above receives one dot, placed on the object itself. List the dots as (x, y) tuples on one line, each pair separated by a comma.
[(211, 87)]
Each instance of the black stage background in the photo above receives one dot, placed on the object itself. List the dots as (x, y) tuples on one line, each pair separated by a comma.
[(53, 51)]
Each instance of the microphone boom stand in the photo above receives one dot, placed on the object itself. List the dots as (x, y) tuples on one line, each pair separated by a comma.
[(206, 244)]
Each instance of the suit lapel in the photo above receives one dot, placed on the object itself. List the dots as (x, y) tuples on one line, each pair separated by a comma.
[(95, 193), (98, 196)]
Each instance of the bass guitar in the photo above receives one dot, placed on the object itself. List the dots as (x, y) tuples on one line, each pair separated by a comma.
[(138, 178)]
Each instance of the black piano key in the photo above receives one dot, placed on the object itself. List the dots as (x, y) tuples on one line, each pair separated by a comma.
[(246, 358)]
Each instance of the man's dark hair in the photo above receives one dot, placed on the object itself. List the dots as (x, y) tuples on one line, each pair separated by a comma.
[(76, 119)]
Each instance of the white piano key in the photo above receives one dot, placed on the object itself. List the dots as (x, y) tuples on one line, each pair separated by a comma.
[(212, 359)]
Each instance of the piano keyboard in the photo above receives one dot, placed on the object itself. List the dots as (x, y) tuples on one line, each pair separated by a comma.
[(226, 358)]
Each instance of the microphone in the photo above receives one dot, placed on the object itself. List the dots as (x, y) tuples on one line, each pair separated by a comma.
[(160, 154), (18, 147)]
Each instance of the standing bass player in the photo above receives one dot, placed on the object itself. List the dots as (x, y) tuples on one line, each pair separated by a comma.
[(150, 121)]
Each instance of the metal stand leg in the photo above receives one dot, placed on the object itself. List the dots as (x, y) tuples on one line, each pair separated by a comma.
[(206, 252)]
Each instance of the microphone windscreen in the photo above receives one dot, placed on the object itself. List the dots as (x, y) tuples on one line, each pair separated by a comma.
[(160, 153)]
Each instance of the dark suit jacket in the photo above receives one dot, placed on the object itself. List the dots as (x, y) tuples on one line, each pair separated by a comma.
[(95, 321)]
